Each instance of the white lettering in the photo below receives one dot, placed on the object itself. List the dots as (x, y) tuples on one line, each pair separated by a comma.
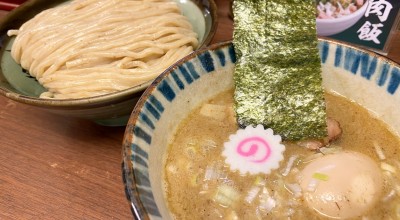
[(370, 32), (381, 8)]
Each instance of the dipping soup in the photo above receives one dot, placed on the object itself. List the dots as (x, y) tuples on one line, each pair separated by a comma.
[(353, 177)]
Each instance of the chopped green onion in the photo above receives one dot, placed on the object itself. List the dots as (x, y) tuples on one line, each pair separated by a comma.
[(191, 152), (172, 169), (289, 165), (379, 151), (320, 176), (190, 167), (294, 188), (267, 204), (388, 167), (389, 196), (211, 173), (290, 212), (260, 181), (251, 195), (195, 180), (215, 172), (265, 192), (226, 195), (312, 185), (208, 145)]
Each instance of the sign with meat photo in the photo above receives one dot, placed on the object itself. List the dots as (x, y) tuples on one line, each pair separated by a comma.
[(366, 23)]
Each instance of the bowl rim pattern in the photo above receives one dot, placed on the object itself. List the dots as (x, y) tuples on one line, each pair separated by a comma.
[(137, 208)]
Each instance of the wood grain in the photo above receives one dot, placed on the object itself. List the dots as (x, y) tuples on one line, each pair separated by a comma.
[(52, 167)]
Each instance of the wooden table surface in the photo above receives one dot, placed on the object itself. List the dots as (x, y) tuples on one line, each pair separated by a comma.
[(53, 167)]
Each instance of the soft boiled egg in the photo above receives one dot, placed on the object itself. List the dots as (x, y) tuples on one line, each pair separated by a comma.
[(341, 185)]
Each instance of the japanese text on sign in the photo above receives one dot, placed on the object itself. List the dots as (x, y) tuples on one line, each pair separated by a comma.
[(369, 31)]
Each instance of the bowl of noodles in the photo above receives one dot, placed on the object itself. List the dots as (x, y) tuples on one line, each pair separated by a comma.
[(93, 58), (174, 168), (335, 16)]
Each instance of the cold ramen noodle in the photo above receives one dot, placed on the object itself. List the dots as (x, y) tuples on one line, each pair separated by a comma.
[(92, 47), (351, 176)]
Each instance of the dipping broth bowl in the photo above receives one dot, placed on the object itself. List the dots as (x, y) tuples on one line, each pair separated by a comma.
[(111, 109), (364, 77)]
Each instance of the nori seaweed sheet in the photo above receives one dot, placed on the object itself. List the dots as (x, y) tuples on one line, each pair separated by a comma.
[(278, 80)]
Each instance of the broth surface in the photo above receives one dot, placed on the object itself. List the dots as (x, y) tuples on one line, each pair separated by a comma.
[(199, 185)]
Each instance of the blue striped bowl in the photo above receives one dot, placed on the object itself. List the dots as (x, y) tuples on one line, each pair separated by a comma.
[(366, 78)]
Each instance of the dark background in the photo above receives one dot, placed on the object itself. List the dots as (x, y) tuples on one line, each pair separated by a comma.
[(350, 35)]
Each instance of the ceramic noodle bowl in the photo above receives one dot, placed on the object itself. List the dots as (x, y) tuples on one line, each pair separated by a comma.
[(360, 76)]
